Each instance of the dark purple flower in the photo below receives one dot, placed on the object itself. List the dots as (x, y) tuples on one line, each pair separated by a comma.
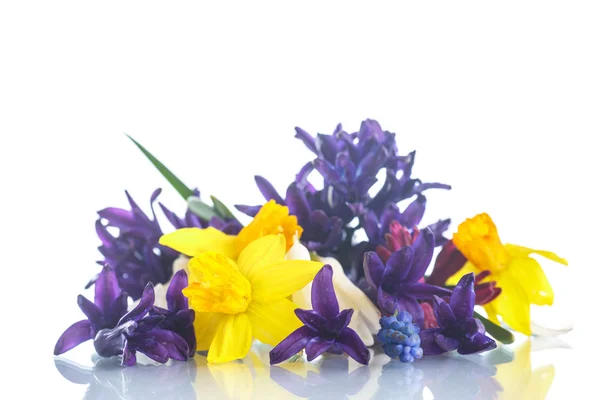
[(178, 316), (325, 327), (397, 281), (134, 253), (109, 305), (458, 330), (191, 220), (449, 261), (137, 331)]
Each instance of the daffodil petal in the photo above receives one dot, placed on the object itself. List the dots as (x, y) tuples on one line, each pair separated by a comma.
[(232, 340), (205, 326), (194, 241), (530, 275), (282, 279), (513, 304), (520, 251), (273, 321), (261, 253), (467, 268)]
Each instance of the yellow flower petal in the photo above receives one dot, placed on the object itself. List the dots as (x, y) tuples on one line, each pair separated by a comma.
[(530, 275), (217, 285), (233, 339), (477, 238), (282, 279), (512, 304), (272, 219), (261, 253), (205, 326), (520, 251), (273, 321), (233, 379), (194, 241)]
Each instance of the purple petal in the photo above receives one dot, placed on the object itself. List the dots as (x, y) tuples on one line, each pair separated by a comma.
[(371, 163), (149, 322), (421, 291), (76, 334), (443, 312), (386, 301), (105, 237), (106, 289), (414, 212), (326, 170), (476, 344), (428, 343), (371, 226), (350, 342), (117, 310), (445, 343), (322, 294), (175, 298), (267, 190), (117, 216), (154, 350), (307, 139), (317, 346), (342, 320), (129, 358), (311, 319), (142, 308), (177, 347), (462, 300), (374, 269), (327, 145), (438, 229), (248, 210), (473, 327), (405, 303), (297, 203), (291, 345), (389, 214), (398, 266), (424, 186), (423, 252), (172, 217), (91, 311)]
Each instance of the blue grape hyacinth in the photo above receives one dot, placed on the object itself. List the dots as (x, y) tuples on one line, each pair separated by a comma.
[(399, 337)]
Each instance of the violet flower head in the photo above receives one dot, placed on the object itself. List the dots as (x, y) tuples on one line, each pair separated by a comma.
[(109, 305), (134, 253), (397, 281), (179, 318), (325, 327), (137, 331), (458, 330), (191, 220)]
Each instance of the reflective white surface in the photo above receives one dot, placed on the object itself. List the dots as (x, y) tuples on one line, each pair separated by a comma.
[(522, 371)]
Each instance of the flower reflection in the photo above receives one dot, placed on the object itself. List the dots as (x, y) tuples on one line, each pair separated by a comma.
[(107, 379), (332, 381), (519, 380)]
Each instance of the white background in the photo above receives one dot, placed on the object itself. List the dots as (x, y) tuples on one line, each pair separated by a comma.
[(500, 100)]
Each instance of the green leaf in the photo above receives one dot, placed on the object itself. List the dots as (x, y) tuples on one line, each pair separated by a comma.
[(183, 190), (200, 208), (497, 332), (221, 208)]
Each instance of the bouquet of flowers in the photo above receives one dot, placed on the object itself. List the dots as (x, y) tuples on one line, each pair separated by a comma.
[(338, 269)]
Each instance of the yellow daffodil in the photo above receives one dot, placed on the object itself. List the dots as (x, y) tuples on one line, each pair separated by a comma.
[(272, 218), (236, 301), (521, 277)]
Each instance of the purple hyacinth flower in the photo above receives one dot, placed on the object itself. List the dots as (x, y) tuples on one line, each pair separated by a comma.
[(397, 281), (139, 332), (178, 316), (134, 253), (109, 305), (458, 330), (191, 220), (325, 327)]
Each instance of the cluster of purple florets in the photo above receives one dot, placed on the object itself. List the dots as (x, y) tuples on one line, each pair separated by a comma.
[(400, 337)]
